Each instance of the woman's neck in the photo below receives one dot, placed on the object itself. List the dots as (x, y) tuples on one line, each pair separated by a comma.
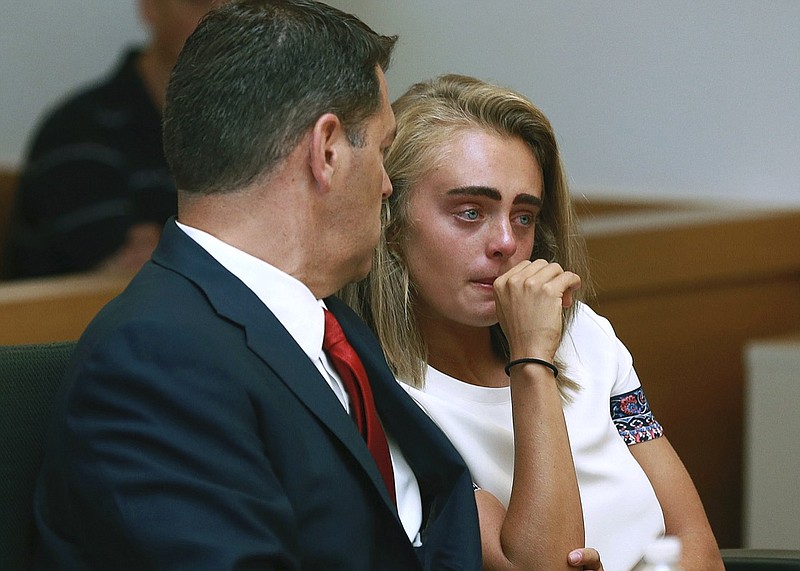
[(464, 353)]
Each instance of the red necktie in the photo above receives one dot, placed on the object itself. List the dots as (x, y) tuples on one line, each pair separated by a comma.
[(362, 405)]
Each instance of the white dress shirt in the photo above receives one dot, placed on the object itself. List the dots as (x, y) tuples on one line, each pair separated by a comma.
[(302, 315)]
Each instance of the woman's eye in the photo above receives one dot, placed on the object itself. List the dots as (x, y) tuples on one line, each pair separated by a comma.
[(525, 219)]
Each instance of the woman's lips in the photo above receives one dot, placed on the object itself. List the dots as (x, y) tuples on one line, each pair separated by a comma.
[(485, 281)]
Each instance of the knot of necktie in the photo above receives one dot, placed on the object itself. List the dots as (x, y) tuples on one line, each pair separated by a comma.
[(333, 332)]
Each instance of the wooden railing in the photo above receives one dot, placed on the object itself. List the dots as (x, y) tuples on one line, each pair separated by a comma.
[(53, 309)]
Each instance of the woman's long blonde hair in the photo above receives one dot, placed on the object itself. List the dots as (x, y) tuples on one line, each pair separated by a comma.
[(429, 115)]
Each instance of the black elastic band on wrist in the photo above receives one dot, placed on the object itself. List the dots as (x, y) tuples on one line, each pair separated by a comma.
[(542, 362)]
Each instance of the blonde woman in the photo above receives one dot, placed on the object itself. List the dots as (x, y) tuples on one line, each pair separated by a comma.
[(475, 295)]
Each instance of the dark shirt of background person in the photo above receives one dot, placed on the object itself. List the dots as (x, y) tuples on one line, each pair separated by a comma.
[(94, 171), (96, 190)]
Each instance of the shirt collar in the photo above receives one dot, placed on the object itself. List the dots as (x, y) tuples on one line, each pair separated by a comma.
[(285, 296)]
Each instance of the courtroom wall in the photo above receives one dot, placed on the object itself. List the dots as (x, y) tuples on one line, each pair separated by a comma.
[(672, 99), (665, 99)]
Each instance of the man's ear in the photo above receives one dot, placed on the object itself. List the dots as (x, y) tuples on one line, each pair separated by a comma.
[(325, 154)]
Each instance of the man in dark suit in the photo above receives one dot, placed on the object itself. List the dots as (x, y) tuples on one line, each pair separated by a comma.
[(201, 424)]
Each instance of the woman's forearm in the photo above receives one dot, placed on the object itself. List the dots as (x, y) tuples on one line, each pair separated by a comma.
[(544, 520)]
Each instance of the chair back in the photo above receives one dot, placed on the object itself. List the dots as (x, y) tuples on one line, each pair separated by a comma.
[(761, 559), (29, 378)]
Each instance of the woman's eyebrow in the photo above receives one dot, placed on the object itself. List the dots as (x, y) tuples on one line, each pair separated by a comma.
[(486, 191), (526, 198), (494, 194)]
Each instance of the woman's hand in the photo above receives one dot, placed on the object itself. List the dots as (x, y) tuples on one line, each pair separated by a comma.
[(529, 300)]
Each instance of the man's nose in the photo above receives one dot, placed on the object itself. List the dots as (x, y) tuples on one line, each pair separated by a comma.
[(386, 191)]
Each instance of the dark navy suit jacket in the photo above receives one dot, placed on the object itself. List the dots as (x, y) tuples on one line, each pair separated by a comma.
[(192, 432)]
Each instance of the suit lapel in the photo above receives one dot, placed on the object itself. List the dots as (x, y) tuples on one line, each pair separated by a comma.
[(268, 339), (293, 367), (450, 534), (435, 462)]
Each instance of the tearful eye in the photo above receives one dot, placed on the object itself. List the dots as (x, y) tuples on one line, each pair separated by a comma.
[(525, 219)]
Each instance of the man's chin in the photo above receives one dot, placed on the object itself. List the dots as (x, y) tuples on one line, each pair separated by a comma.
[(361, 270)]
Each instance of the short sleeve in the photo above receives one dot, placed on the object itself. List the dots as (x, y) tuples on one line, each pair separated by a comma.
[(633, 418)]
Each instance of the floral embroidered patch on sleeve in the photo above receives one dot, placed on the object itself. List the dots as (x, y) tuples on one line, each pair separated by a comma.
[(632, 417)]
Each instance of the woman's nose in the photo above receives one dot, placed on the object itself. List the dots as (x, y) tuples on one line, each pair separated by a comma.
[(503, 242)]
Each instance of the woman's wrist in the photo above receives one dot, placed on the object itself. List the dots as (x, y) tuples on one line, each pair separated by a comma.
[(531, 361)]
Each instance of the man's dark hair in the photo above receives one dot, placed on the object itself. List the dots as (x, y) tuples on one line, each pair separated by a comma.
[(255, 76)]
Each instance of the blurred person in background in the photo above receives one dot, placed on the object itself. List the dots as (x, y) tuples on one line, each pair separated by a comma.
[(96, 190)]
